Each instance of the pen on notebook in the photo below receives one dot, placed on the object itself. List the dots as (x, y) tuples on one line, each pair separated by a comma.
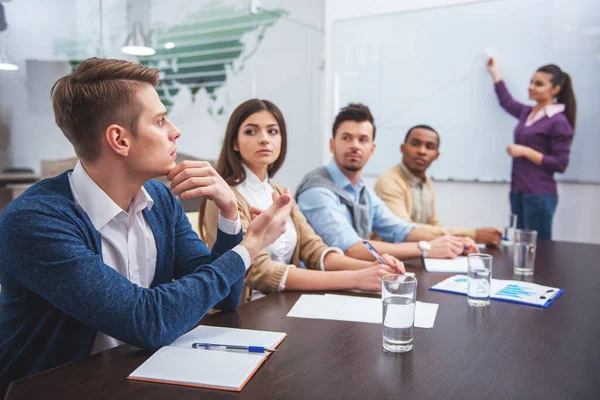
[(214, 346), (377, 256)]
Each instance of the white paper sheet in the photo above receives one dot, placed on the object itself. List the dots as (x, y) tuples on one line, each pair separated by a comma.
[(425, 314), (354, 308), (458, 265)]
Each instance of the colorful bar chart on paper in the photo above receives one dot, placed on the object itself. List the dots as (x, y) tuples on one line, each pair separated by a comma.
[(506, 290)]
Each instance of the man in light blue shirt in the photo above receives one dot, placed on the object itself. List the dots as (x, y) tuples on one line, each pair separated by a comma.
[(343, 211)]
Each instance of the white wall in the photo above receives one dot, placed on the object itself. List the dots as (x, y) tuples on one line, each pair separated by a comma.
[(464, 204)]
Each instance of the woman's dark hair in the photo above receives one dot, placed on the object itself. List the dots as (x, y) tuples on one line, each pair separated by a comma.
[(566, 95), (229, 164)]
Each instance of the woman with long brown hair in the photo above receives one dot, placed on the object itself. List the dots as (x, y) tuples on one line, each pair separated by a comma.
[(542, 145), (253, 151)]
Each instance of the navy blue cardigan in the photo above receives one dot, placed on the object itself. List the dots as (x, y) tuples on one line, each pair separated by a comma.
[(57, 293)]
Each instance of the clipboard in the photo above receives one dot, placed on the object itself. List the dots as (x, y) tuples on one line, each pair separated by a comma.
[(509, 291)]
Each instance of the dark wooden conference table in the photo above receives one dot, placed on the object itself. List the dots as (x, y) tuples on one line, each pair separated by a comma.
[(504, 351)]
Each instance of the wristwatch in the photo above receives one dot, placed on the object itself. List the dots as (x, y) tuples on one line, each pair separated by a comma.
[(424, 246)]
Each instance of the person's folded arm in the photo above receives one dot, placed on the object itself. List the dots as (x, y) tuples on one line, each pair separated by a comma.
[(434, 227), (462, 232), (265, 274), (419, 233), (60, 266)]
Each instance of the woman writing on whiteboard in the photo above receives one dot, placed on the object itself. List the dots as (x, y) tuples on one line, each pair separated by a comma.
[(542, 145)]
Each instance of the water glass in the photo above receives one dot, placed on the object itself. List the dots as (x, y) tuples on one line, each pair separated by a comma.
[(479, 280), (399, 293), (524, 251), (509, 231)]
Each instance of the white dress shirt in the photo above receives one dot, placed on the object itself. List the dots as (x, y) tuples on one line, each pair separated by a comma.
[(550, 110), (128, 244), (258, 194)]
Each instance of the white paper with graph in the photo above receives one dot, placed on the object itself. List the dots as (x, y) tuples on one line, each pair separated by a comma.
[(506, 290)]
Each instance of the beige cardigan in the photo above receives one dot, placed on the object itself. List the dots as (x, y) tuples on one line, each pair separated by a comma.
[(393, 188), (265, 274)]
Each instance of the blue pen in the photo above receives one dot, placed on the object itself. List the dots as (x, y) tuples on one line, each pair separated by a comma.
[(374, 251), (378, 257), (214, 346)]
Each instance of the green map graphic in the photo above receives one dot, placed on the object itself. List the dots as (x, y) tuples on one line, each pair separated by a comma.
[(205, 45), (208, 44)]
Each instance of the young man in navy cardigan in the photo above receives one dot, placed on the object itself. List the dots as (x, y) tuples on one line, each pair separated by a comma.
[(101, 255)]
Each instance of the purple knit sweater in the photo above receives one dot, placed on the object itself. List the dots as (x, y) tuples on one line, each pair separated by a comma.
[(550, 136)]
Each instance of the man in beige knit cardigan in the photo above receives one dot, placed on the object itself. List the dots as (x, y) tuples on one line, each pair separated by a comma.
[(408, 191)]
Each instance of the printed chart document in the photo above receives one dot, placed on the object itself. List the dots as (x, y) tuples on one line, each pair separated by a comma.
[(181, 364), (458, 265), (356, 309), (518, 292)]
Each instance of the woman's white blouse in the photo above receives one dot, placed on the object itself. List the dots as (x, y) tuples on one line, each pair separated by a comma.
[(258, 194)]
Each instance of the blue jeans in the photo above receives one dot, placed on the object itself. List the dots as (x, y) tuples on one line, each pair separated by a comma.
[(534, 211)]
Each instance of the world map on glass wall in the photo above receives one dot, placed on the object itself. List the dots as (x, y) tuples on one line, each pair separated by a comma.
[(209, 44), (206, 47)]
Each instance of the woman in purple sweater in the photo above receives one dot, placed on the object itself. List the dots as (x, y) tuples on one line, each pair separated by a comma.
[(542, 145)]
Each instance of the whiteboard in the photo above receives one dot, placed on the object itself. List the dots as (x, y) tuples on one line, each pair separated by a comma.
[(428, 67)]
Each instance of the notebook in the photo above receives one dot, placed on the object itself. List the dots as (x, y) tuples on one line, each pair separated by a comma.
[(509, 291), (458, 265), (181, 364)]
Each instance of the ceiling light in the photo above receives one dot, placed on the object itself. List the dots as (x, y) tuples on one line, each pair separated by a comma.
[(8, 67), (138, 44)]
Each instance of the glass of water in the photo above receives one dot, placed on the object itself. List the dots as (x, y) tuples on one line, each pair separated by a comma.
[(399, 293), (480, 280), (524, 251), (509, 231)]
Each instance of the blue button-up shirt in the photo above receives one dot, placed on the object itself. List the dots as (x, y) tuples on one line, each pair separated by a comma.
[(331, 219)]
